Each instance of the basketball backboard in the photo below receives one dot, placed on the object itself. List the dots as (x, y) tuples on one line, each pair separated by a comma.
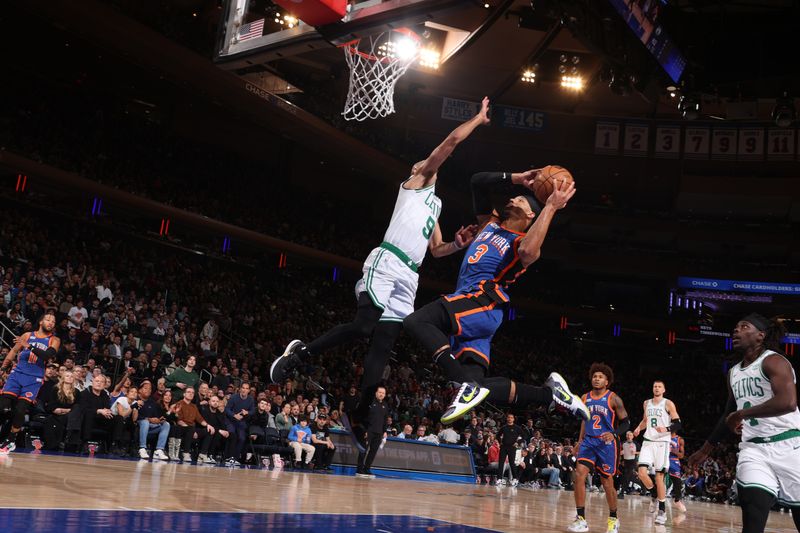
[(255, 32)]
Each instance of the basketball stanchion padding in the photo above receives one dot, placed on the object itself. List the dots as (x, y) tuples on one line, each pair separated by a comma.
[(315, 12)]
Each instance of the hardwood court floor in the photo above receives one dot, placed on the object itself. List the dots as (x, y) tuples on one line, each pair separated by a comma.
[(52, 482)]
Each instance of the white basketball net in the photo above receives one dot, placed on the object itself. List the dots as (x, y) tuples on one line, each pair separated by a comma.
[(375, 71)]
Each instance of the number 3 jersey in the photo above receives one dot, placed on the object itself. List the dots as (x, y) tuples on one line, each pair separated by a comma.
[(491, 263), (750, 387), (413, 220)]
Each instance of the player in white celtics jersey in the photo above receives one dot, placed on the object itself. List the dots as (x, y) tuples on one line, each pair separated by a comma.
[(386, 292), (762, 407), (659, 420)]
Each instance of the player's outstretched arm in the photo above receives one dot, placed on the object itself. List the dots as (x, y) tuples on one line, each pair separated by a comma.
[(424, 173), (530, 247), (463, 238), (482, 184), (781, 378)]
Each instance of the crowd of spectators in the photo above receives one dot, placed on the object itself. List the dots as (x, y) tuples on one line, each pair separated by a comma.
[(170, 352)]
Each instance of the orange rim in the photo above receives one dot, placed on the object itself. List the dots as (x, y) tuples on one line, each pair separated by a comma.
[(352, 46)]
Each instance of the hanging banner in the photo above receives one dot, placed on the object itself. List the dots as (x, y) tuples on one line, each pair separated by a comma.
[(459, 110), (636, 140), (696, 143), (780, 144), (751, 144), (723, 143), (518, 117), (668, 142), (606, 138)]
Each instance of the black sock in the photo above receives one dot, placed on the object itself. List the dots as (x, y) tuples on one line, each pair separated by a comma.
[(581, 511), (530, 395), (612, 514), (450, 367), (662, 505)]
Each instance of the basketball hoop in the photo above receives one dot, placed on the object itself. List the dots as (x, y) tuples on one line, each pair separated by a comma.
[(376, 63)]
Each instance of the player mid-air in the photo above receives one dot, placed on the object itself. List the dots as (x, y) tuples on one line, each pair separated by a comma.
[(598, 446), (388, 287), (505, 246), (659, 420), (762, 407), (22, 386)]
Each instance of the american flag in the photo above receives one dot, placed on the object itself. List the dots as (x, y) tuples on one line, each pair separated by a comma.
[(251, 30)]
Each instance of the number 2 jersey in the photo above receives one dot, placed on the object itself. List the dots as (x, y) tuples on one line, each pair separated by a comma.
[(491, 263)]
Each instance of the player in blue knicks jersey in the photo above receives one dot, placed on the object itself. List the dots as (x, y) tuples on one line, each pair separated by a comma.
[(23, 383), (676, 453), (598, 448), (457, 329)]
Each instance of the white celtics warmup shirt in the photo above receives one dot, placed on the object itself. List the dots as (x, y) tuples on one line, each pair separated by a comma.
[(413, 221), (751, 387), (657, 415)]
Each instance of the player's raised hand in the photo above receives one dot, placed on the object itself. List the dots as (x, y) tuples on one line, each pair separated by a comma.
[(526, 178), (562, 193), (465, 236), (484, 112)]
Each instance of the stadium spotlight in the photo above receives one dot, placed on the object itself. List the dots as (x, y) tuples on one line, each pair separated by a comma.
[(429, 58), (689, 106), (784, 112), (574, 83), (529, 75)]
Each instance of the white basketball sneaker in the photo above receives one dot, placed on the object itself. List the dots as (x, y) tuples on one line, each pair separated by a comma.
[(564, 398), (579, 525), (613, 525), (661, 517), (469, 396)]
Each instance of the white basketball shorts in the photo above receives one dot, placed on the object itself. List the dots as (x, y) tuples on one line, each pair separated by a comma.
[(390, 283)]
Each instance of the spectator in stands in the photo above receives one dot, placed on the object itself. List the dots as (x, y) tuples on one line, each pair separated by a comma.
[(182, 378), (188, 420), (58, 404), (212, 444), (695, 485), (300, 441), (408, 433), (334, 421), (77, 314), (547, 469), (152, 420), (238, 408), (94, 407), (283, 420), (50, 379), (122, 410), (323, 445), (559, 461), (449, 436), (479, 451)]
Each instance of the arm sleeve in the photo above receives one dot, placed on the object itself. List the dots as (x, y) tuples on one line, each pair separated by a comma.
[(482, 185), (49, 353), (623, 426)]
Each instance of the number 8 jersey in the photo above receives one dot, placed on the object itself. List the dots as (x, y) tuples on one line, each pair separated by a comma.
[(492, 262)]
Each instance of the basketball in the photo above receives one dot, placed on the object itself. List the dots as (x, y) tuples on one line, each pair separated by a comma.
[(544, 183)]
